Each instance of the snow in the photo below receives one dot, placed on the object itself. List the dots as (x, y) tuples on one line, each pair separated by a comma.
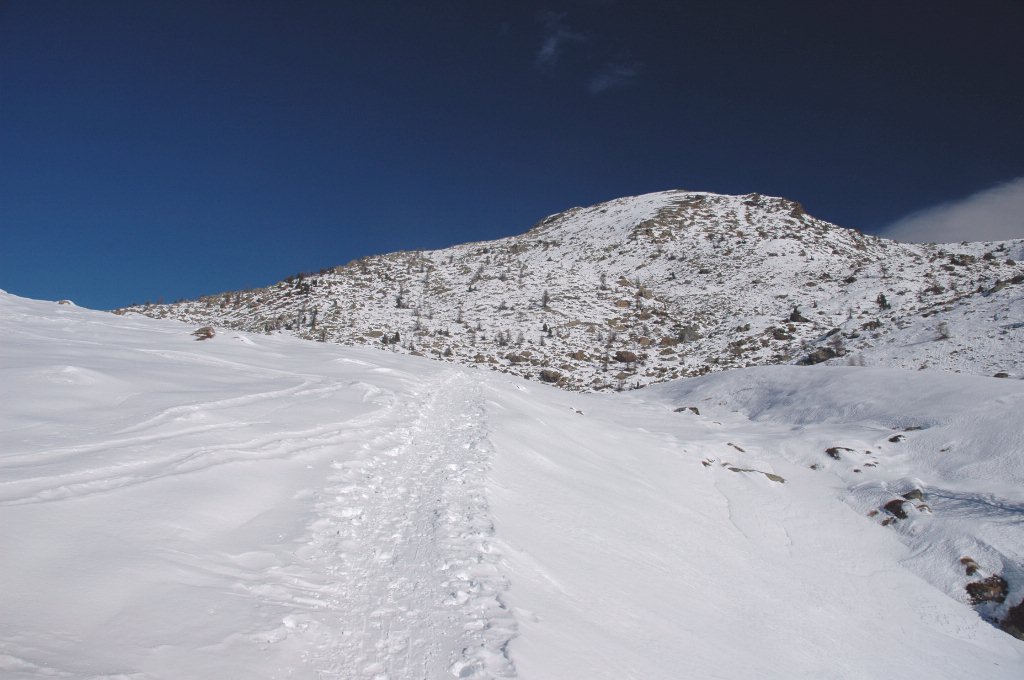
[(688, 282), (650, 563), (262, 507)]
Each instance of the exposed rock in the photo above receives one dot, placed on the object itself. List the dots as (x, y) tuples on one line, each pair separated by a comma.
[(970, 566), (895, 508), (625, 356), (1013, 622), (817, 356), (549, 376), (991, 589), (914, 495), (769, 475), (833, 451)]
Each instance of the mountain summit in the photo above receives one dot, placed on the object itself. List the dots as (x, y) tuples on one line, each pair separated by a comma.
[(643, 289)]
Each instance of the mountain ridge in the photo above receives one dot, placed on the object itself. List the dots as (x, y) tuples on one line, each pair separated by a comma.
[(644, 289)]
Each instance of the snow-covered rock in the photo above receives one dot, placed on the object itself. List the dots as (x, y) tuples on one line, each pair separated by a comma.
[(685, 283)]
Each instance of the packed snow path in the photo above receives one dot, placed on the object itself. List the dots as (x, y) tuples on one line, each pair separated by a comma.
[(403, 547)]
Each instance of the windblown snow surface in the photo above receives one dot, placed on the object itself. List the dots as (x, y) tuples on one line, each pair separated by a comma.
[(263, 507)]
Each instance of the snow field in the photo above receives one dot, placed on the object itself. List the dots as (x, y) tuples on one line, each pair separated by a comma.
[(182, 510), (262, 507), (652, 565), (955, 439)]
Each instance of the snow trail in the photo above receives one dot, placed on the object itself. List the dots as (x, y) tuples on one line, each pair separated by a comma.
[(400, 561)]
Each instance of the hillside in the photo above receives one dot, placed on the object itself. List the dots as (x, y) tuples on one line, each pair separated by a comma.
[(258, 507), (644, 289)]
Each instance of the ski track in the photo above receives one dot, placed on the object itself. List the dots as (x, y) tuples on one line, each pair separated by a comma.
[(399, 576), (128, 470)]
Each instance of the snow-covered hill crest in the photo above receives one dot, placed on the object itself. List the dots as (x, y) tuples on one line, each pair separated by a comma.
[(644, 289)]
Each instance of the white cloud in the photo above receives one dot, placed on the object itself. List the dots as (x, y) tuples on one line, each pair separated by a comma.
[(991, 215), (614, 74), (556, 37)]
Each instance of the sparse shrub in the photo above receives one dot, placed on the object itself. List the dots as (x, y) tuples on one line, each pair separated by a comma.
[(837, 344)]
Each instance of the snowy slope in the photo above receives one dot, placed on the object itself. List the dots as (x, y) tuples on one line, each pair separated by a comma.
[(255, 506), (235, 508), (956, 440), (648, 288)]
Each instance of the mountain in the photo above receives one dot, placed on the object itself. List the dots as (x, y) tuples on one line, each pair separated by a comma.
[(253, 506), (644, 289)]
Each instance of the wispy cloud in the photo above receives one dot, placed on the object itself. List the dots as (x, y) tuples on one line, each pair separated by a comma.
[(556, 37), (990, 215), (614, 74)]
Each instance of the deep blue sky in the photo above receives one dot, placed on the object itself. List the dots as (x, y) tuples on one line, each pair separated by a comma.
[(169, 149)]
